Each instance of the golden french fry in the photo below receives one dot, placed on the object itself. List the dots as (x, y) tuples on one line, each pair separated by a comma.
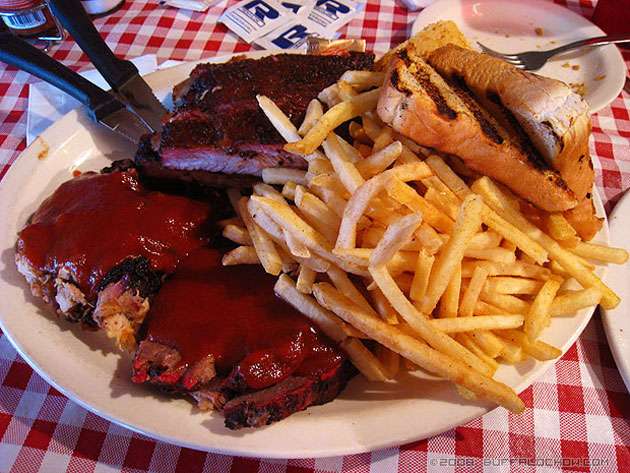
[(283, 175), (362, 80), (305, 280), (364, 360), (230, 221), (314, 112), (317, 213), (511, 352), (240, 255), (485, 240), (469, 343), (330, 96), (265, 249), (237, 234), (450, 299), (538, 314), (511, 285), (335, 116), (495, 198), (471, 295), (537, 349), (409, 197), (442, 203), (428, 239), (372, 125), (421, 276), (600, 253), (418, 352), (361, 198), (390, 360), (498, 255), (518, 268), (383, 307), (384, 138), (278, 119), (481, 322), (288, 190), (488, 342), (346, 171), (570, 303), (434, 182), (558, 227), (379, 161), (510, 304), (420, 324), (448, 177), (345, 90), (451, 254), (327, 321), (396, 235), (344, 285), (483, 308)]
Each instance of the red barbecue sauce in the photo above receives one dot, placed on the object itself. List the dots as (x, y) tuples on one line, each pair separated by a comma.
[(231, 313), (94, 221)]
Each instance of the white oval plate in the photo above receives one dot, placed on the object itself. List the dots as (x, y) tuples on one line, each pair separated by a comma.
[(616, 321), (509, 27), (84, 366)]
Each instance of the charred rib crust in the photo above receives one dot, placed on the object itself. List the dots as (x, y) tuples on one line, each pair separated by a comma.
[(136, 273)]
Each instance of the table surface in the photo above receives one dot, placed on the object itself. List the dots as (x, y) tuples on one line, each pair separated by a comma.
[(577, 416)]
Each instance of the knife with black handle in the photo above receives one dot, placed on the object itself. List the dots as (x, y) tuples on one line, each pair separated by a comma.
[(103, 107), (120, 74)]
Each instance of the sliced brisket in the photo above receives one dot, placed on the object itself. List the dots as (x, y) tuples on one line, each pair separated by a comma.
[(219, 136)]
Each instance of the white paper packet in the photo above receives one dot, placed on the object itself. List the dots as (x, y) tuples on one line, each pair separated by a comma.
[(333, 14), (252, 19), (299, 7)]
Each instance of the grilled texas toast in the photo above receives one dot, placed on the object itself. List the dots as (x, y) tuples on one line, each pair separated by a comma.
[(441, 113)]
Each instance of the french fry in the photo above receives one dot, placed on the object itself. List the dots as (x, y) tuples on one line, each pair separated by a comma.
[(305, 280), (383, 307), (498, 255), (237, 234), (380, 160), (507, 302), (450, 299), (558, 227), (511, 285), (327, 321), (428, 239), (448, 177), (421, 276), (570, 303), (600, 253), (345, 90), (384, 139), (314, 112), (408, 196), (483, 308), (471, 294), (485, 240), (537, 349), (240, 255), (494, 197), (481, 322), (441, 203), (364, 360), (451, 254), (396, 235), (283, 175), (344, 285), (362, 80), (278, 119), (518, 268), (330, 96), (295, 246), (488, 342), (358, 135), (511, 352), (335, 116), (434, 182), (361, 198), (469, 343), (390, 360), (317, 213), (288, 190), (265, 249), (371, 125), (351, 153), (418, 352), (538, 314), (230, 221), (420, 324), (345, 169)]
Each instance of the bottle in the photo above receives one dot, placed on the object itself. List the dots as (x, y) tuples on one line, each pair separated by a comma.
[(30, 19)]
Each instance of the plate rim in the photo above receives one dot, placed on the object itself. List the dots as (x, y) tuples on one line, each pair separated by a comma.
[(619, 80), (74, 116)]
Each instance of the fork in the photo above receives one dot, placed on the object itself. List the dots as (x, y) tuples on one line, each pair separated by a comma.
[(534, 60)]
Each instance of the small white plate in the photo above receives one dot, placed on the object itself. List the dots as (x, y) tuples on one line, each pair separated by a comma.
[(510, 27), (85, 367), (617, 320)]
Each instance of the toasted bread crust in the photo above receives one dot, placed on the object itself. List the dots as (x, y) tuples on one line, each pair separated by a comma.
[(554, 117), (419, 104)]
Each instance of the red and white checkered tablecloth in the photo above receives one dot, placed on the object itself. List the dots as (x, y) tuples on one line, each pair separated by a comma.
[(577, 416)]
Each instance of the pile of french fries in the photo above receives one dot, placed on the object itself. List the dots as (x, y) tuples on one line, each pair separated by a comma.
[(378, 240)]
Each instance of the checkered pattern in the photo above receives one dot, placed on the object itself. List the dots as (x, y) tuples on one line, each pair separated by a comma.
[(577, 414)]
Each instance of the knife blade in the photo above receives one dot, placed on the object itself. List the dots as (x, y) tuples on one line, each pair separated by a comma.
[(122, 75), (103, 107)]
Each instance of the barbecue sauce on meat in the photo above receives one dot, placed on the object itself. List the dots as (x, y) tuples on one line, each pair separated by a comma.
[(231, 313), (95, 221)]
